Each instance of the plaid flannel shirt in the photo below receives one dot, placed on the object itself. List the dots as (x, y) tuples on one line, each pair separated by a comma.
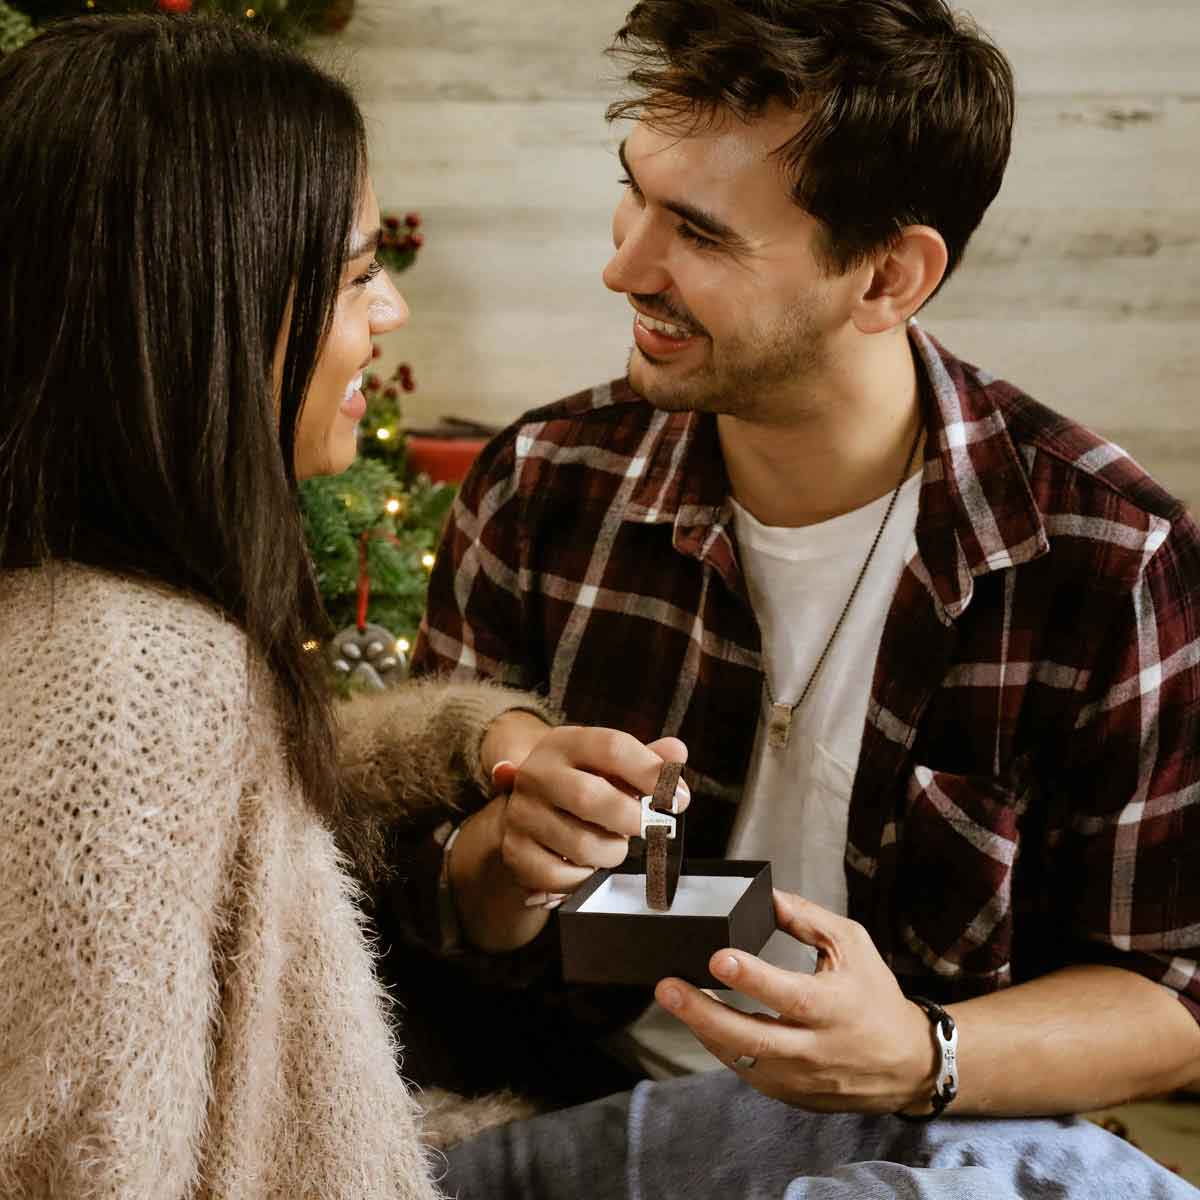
[(1028, 790)]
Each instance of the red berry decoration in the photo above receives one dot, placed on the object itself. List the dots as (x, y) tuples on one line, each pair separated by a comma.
[(413, 220), (416, 240), (175, 6), (391, 223)]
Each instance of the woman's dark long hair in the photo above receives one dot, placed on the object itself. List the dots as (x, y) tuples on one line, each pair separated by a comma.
[(172, 191)]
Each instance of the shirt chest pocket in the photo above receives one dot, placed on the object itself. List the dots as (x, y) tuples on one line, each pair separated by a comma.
[(958, 845)]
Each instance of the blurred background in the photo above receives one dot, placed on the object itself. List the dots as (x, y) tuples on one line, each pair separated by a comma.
[(1082, 286)]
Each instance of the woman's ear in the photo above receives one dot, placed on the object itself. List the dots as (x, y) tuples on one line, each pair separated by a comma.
[(905, 276)]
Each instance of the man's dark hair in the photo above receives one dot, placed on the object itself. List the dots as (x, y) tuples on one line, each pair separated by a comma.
[(910, 107), (172, 191)]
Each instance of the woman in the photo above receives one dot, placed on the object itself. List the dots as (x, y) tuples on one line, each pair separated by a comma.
[(188, 292)]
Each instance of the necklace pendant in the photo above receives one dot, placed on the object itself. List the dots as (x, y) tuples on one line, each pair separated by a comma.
[(779, 725)]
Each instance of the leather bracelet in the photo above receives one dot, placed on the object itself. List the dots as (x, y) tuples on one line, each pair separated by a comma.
[(945, 1087), (664, 839)]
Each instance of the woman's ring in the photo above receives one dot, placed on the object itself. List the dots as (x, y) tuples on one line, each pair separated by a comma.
[(743, 1062)]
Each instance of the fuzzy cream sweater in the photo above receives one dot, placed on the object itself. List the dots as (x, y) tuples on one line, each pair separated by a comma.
[(187, 1001)]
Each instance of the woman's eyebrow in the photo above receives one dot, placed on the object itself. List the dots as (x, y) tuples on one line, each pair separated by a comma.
[(367, 245)]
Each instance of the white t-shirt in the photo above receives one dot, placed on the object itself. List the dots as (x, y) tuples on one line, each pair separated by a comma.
[(797, 798)]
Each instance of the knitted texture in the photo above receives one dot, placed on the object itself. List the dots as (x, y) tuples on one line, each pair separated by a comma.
[(414, 751), (187, 1004), (450, 1118)]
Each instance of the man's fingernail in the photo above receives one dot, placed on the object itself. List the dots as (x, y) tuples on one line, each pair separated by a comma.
[(537, 899), (553, 903), (728, 966), (671, 998), (682, 796)]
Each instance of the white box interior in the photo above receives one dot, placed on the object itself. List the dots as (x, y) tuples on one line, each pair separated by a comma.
[(696, 896)]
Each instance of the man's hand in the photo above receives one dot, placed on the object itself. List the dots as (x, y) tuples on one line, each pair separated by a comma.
[(846, 1038), (569, 807)]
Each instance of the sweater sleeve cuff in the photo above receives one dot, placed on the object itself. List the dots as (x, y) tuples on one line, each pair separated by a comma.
[(473, 707), (410, 758)]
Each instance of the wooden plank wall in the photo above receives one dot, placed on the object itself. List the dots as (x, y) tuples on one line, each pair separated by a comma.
[(1083, 284)]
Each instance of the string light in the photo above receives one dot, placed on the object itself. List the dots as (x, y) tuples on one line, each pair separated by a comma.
[(250, 14), (393, 506), (310, 645), (427, 561), (402, 645), (383, 434)]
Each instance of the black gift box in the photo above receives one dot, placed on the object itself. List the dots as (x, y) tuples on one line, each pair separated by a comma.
[(641, 947)]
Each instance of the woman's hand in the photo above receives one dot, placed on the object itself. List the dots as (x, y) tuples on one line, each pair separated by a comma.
[(569, 807)]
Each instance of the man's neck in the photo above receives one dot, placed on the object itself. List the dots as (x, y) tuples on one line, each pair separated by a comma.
[(838, 453)]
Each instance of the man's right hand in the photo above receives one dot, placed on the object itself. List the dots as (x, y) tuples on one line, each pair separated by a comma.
[(569, 807)]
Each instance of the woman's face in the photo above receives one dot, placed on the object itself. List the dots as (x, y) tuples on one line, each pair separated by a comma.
[(367, 305)]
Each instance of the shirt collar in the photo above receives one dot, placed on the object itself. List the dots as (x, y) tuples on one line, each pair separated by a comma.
[(977, 512), (685, 484)]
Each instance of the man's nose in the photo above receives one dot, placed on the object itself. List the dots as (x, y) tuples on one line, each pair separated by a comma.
[(637, 264)]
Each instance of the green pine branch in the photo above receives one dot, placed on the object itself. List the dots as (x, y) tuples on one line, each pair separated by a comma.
[(15, 28)]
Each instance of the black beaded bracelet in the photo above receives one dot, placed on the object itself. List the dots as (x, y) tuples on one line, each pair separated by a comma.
[(945, 1087)]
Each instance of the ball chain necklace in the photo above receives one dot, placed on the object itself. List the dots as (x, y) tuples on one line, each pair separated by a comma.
[(779, 716)]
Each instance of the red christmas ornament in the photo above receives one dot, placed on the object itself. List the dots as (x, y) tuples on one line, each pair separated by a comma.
[(174, 6), (413, 220)]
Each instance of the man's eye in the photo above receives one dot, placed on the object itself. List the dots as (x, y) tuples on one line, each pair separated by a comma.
[(686, 232), (369, 274)]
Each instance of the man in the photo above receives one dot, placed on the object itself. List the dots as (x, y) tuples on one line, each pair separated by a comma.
[(931, 648)]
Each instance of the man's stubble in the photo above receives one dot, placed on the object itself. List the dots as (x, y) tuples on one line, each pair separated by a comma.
[(748, 377)]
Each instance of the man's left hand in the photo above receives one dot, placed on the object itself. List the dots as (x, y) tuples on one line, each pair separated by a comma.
[(846, 1038)]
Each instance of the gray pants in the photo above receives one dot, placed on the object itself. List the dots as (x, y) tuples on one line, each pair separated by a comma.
[(713, 1136)]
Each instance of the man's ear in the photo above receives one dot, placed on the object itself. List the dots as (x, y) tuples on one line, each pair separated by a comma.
[(904, 277)]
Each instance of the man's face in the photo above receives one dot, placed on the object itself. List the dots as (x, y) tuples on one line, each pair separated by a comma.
[(735, 314)]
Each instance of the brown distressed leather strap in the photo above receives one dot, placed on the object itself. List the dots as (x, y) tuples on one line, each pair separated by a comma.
[(663, 799), (664, 854)]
